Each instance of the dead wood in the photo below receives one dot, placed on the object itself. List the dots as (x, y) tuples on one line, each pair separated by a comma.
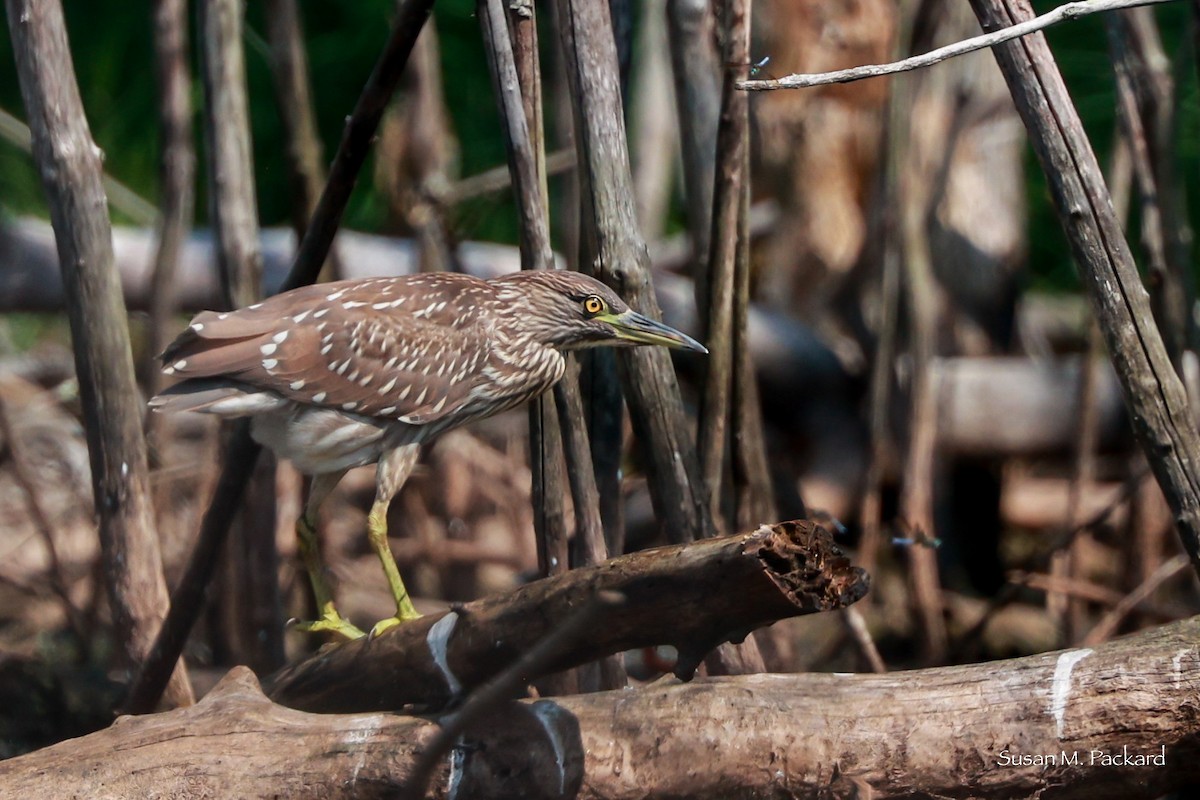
[(693, 597), (1162, 421), (69, 164), (754, 736)]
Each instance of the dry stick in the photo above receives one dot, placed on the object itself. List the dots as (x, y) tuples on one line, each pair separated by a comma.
[(504, 686), (1155, 85), (122, 198), (289, 70), (519, 121), (1067, 11), (1009, 592), (1106, 628), (1168, 298), (651, 388), (497, 179), (654, 133), (248, 603), (733, 132), (856, 624), (1162, 420), (516, 65), (69, 165), (754, 496), (696, 69), (45, 529), (915, 200), (177, 175), (186, 600), (691, 597)]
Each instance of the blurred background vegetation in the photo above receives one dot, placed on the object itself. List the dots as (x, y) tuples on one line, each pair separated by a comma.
[(112, 48)]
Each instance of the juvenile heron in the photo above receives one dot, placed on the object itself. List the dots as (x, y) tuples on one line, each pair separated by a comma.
[(339, 375)]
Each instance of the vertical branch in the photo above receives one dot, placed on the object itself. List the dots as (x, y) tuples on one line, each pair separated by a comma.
[(733, 133), (655, 136), (289, 70), (1145, 104), (243, 451), (917, 498), (518, 110), (69, 165), (656, 408), (231, 202), (177, 176), (360, 129), (754, 497), (1153, 393), (695, 65), (251, 600)]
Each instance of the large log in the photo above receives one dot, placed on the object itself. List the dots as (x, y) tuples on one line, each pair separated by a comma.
[(694, 597), (984, 730)]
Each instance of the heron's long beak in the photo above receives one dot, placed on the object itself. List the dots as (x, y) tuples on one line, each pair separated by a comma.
[(633, 327)]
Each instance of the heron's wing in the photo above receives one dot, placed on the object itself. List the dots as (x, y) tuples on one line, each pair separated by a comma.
[(380, 348)]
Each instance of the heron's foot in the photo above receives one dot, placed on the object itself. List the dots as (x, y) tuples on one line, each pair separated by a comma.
[(331, 622), (402, 616)]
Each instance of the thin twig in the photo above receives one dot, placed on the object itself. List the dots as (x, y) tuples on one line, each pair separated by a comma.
[(1108, 624), (497, 179), (504, 686), (856, 626), (122, 198), (1069, 11)]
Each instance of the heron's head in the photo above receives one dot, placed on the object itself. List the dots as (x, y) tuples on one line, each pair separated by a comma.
[(571, 311)]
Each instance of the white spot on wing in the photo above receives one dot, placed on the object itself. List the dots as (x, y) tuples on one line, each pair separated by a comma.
[(297, 385), (300, 317), (319, 397), (180, 364), (270, 363), (387, 387), (350, 406), (268, 349), (197, 326), (279, 337)]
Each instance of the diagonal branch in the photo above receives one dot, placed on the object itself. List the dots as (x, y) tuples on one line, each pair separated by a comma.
[(1069, 11)]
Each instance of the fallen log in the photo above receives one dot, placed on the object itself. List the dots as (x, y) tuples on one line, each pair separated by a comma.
[(693, 597), (1119, 721)]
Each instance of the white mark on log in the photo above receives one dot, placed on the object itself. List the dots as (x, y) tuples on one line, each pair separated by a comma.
[(437, 639), (1060, 688), (548, 713), (125, 473), (1177, 665), (843, 674), (458, 759), (361, 736)]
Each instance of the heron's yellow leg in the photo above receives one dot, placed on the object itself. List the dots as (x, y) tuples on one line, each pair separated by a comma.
[(394, 469), (306, 535)]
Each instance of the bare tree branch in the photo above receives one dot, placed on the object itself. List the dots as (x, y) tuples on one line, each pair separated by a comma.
[(69, 165), (1068, 11)]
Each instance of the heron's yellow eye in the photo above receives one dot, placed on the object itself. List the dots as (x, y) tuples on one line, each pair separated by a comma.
[(593, 305)]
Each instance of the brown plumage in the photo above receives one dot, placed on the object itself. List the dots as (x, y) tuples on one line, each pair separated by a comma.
[(344, 374)]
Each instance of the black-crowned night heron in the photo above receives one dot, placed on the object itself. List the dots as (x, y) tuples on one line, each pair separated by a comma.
[(343, 374)]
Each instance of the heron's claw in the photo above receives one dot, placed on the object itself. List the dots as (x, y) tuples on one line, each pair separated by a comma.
[(330, 622), (383, 625)]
